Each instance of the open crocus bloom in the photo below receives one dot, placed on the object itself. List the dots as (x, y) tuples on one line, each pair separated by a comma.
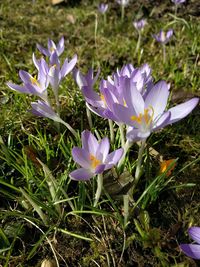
[(192, 250), (112, 90), (163, 37), (32, 85), (147, 114), (93, 157), (52, 47)]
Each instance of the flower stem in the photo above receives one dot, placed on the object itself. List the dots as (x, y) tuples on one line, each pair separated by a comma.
[(138, 43), (126, 209), (126, 148), (112, 136), (99, 188), (139, 162), (164, 53), (121, 129), (122, 13), (89, 117), (69, 128)]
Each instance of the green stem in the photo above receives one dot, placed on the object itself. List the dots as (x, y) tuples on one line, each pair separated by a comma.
[(126, 148), (121, 129), (95, 29), (112, 136), (69, 128), (99, 188), (122, 13), (139, 162), (164, 53), (138, 43), (89, 117), (126, 209)]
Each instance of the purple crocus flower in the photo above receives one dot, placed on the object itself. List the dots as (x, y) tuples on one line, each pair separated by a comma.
[(112, 89), (192, 250), (52, 47), (163, 38), (32, 85), (146, 114), (56, 73), (93, 157), (178, 2), (139, 25), (43, 109), (103, 8)]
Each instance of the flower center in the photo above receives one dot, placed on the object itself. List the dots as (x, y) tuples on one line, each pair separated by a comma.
[(94, 161), (146, 118), (34, 81)]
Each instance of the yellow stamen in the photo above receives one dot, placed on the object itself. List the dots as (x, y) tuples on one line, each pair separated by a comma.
[(52, 49), (94, 161), (144, 117), (164, 165), (34, 81), (102, 98)]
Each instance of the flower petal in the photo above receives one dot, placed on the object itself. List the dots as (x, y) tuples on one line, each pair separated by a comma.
[(157, 98), (194, 233), (19, 88), (82, 157), (134, 135), (89, 142), (100, 168), (123, 114), (182, 110), (114, 157), (162, 121), (191, 250), (81, 175), (103, 149)]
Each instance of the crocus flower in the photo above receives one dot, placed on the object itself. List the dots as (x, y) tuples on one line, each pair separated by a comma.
[(163, 38), (32, 85), (139, 25), (192, 250), (93, 157), (56, 73), (52, 47), (43, 109), (122, 2), (147, 114), (103, 8), (178, 2), (112, 89)]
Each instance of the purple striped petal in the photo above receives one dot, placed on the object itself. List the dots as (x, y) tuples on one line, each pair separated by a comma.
[(182, 110), (123, 114), (89, 142), (103, 149), (133, 98), (100, 168), (162, 121), (115, 156), (19, 88), (82, 157), (191, 250), (68, 66), (81, 175), (157, 98), (194, 233)]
